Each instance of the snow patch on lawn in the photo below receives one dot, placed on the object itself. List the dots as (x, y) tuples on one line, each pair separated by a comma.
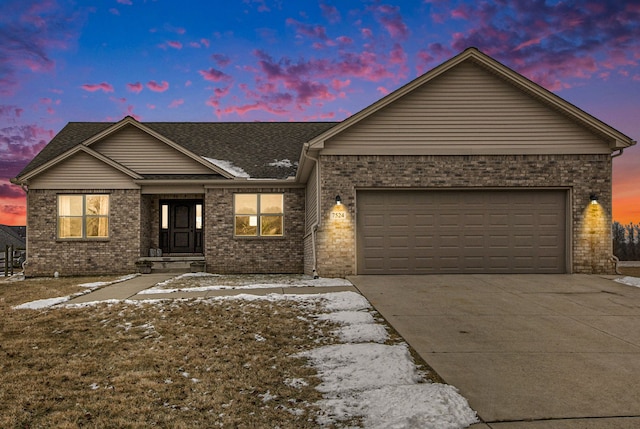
[(164, 287), (50, 302), (631, 281), (95, 285), (41, 303), (377, 382)]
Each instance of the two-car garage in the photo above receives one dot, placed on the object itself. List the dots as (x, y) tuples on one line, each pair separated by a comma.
[(461, 231)]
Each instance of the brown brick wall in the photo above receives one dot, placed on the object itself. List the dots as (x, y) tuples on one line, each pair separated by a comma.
[(228, 254), (581, 174), (116, 255)]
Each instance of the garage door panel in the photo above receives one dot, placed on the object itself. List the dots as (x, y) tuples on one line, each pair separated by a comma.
[(405, 232)]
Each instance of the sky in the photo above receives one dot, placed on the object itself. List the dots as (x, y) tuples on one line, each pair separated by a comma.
[(274, 60)]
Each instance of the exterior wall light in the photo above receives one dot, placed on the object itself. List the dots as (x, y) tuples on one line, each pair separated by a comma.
[(593, 198), (338, 200)]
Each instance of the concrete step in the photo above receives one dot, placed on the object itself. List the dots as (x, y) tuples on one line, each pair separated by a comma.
[(174, 264)]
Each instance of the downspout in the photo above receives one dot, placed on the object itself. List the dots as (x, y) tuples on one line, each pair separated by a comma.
[(25, 188), (316, 223)]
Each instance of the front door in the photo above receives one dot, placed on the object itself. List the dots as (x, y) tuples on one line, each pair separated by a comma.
[(181, 226)]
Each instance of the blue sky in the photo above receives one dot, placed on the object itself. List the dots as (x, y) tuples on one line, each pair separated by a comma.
[(161, 60)]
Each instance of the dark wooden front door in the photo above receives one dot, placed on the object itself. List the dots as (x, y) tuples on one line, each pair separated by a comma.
[(181, 226)]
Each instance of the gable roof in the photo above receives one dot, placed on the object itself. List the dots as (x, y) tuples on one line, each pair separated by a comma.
[(262, 149), (613, 137)]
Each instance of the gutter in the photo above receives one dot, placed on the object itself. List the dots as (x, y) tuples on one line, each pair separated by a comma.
[(620, 151), (316, 224)]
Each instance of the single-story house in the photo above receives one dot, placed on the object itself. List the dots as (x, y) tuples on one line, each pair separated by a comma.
[(470, 168)]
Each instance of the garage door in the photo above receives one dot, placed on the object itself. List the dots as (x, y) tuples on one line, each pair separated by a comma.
[(423, 232)]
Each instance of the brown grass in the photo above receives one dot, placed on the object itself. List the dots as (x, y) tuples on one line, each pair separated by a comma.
[(14, 292), (173, 364)]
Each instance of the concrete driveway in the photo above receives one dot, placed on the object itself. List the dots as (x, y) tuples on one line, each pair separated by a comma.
[(527, 351)]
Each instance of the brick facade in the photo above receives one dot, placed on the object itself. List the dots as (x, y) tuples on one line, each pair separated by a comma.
[(582, 175), (228, 254), (115, 255)]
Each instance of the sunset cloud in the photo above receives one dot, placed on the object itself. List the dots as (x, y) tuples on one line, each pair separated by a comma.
[(174, 44), (27, 41), (176, 103), (158, 87), (214, 75), (221, 60), (313, 31), (390, 18), (330, 13), (93, 87), (136, 88)]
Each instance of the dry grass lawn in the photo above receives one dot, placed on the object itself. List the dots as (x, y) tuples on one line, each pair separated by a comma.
[(174, 364)]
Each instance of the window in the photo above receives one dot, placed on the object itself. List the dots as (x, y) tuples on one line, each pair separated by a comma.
[(259, 215), (83, 216)]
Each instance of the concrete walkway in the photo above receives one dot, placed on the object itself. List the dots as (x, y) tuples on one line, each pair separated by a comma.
[(527, 351), (130, 289)]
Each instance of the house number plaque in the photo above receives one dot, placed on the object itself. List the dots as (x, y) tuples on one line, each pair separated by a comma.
[(338, 215)]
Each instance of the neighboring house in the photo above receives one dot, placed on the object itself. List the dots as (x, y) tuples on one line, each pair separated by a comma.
[(12, 236), (470, 168)]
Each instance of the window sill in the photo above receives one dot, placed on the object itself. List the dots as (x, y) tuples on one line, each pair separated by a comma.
[(259, 237), (82, 240)]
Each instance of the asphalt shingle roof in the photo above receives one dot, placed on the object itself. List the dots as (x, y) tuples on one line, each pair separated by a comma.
[(252, 146)]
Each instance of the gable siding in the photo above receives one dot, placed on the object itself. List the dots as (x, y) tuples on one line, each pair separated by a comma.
[(465, 111), (145, 154), (82, 171)]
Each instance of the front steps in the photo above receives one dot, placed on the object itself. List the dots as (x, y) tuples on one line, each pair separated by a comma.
[(172, 263)]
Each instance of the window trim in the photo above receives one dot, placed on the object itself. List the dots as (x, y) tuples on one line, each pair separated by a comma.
[(259, 216), (84, 217)]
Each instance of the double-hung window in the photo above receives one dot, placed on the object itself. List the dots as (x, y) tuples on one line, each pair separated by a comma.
[(258, 215), (83, 216)]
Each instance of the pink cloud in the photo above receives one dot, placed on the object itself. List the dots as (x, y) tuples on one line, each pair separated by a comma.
[(316, 31), (330, 13), (205, 42), (344, 40), (114, 11), (174, 44), (135, 87), (391, 20), (339, 85), (398, 57), (151, 106), (461, 12), (214, 75), (366, 33), (93, 87), (382, 90), (158, 87), (19, 144), (221, 60), (176, 103), (127, 2), (242, 110)]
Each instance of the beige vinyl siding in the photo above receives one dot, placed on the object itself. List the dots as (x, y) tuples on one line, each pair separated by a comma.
[(311, 211), (145, 154), (466, 111), (82, 171)]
